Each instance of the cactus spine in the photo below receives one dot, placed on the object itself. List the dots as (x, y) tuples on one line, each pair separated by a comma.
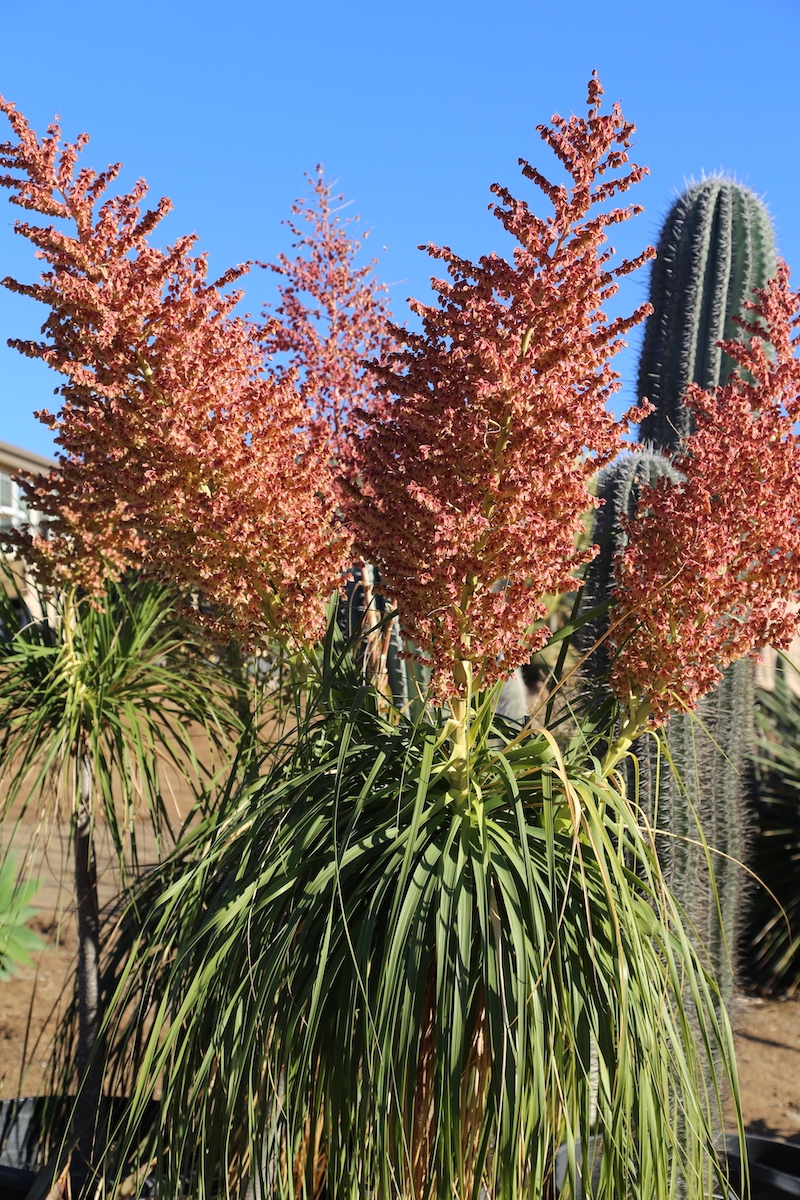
[(715, 248)]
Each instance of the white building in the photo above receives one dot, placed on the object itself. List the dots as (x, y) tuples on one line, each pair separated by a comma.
[(13, 460), (14, 512)]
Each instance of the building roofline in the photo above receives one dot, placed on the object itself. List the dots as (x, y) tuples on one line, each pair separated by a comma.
[(22, 460)]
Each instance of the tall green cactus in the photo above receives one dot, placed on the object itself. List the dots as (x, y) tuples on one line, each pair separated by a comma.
[(618, 487), (692, 781), (689, 788), (707, 789), (716, 247)]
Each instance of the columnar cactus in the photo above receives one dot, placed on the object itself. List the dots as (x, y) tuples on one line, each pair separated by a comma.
[(716, 247), (691, 782), (618, 486), (706, 789)]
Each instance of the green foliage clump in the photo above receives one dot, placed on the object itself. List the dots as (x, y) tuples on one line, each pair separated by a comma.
[(17, 943), (399, 986)]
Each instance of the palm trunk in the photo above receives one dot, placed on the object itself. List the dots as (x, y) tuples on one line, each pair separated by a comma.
[(89, 1063)]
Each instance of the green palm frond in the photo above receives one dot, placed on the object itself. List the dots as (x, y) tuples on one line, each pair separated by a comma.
[(96, 696)]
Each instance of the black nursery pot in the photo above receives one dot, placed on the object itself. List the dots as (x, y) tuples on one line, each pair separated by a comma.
[(15, 1183), (774, 1167), (24, 1148)]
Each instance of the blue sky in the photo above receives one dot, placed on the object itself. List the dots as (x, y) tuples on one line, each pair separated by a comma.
[(415, 108)]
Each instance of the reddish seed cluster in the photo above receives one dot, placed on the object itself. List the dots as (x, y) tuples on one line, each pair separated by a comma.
[(711, 562), (474, 482), (465, 479), (332, 316), (179, 454)]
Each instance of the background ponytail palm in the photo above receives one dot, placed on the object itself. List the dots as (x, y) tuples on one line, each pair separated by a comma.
[(96, 696), (121, 684)]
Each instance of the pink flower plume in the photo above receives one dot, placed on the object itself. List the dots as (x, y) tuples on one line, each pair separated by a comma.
[(712, 563), (179, 453), (474, 481)]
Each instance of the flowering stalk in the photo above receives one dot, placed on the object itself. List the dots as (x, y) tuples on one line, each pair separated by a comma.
[(474, 481), (713, 561), (179, 454), (332, 316), (632, 727)]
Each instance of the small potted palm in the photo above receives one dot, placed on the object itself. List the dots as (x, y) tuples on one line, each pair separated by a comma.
[(95, 696)]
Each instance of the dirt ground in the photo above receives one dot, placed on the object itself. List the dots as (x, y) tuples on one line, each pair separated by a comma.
[(30, 1000), (767, 1031), (768, 1057)]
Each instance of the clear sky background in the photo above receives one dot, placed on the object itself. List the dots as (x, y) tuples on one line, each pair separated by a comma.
[(415, 108)]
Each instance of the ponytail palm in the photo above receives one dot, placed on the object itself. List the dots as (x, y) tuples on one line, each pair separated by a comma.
[(411, 961), (94, 698), (121, 685), (355, 975)]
